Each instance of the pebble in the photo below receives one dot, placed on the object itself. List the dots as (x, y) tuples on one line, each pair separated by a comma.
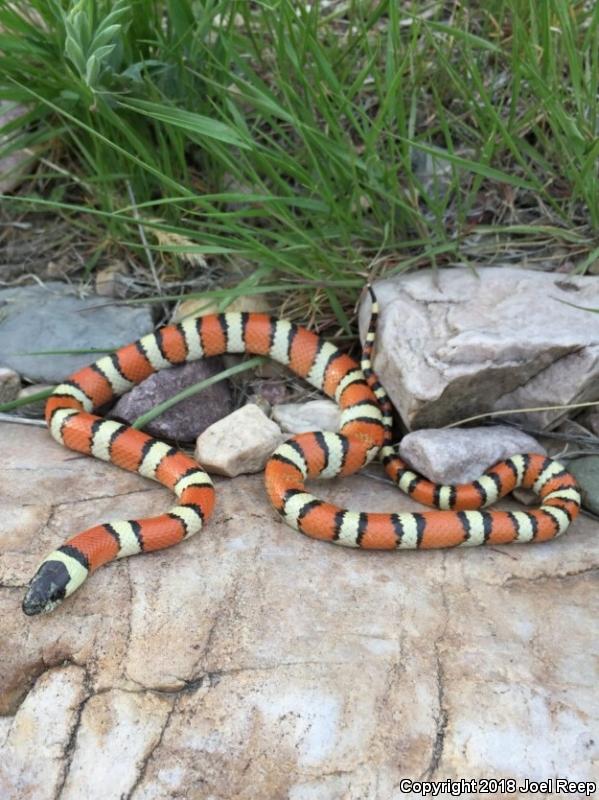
[(109, 281), (11, 172), (10, 385), (240, 443)]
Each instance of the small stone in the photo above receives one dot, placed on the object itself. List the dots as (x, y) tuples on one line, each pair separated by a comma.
[(11, 172), (454, 455), (109, 281), (586, 472), (61, 268), (10, 385), (36, 409), (593, 269), (201, 306), (240, 443), (315, 415), (188, 418), (262, 403), (273, 392), (53, 317)]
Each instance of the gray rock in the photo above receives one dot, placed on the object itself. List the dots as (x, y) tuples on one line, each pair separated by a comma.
[(10, 385), (586, 472), (239, 444), (53, 317), (454, 343), (455, 455), (315, 415), (184, 421)]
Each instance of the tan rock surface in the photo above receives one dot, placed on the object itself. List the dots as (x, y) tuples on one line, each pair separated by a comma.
[(254, 662)]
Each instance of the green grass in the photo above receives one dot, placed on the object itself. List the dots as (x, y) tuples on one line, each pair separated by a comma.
[(305, 147)]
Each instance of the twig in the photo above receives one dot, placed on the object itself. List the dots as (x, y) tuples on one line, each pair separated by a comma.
[(564, 407), (142, 236), (39, 423)]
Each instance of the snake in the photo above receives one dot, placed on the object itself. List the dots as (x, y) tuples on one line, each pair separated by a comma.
[(365, 431)]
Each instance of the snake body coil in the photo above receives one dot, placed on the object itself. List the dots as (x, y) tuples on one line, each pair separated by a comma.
[(365, 430)]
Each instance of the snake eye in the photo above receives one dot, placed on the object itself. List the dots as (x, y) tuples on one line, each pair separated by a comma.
[(47, 588)]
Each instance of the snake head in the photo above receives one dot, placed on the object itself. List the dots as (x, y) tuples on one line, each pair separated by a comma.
[(47, 589)]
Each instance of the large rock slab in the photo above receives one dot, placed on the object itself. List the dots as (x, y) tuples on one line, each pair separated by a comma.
[(452, 343), (54, 317), (251, 661)]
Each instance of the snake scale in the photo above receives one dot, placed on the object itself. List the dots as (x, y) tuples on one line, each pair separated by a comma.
[(365, 431)]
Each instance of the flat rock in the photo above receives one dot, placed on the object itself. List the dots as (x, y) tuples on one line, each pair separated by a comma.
[(233, 665), (315, 415), (460, 455), (185, 420), (240, 443), (10, 384), (452, 343), (53, 317)]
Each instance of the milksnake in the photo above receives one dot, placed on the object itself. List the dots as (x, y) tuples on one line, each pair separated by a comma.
[(365, 431)]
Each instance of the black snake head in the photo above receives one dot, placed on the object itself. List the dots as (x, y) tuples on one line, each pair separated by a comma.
[(47, 588)]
